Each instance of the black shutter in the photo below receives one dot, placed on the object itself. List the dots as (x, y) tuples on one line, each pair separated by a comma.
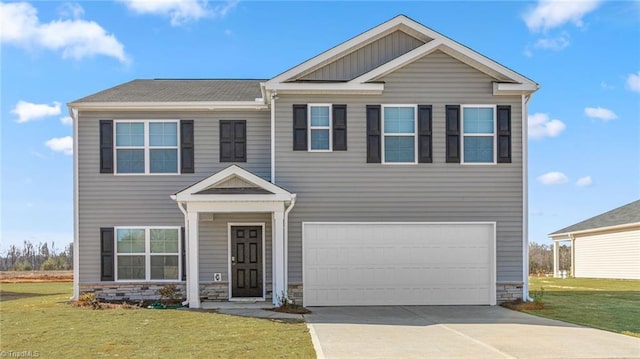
[(233, 141), (424, 134), (504, 133), (373, 134), (453, 133), (106, 254), (106, 146), (186, 147), (299, 127), (339, 127), (184, 254)]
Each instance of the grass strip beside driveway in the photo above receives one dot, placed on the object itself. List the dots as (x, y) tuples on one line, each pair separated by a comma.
[(36, 318), (608, 304)]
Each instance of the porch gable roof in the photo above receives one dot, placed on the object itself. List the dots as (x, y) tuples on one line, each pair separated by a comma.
[(255, 189)]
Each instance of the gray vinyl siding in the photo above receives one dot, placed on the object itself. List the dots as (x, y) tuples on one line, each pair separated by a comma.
[(107, 200), (214, 240), (367, 58), (340, 186)]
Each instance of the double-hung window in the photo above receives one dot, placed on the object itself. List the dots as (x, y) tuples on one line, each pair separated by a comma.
[(478, 131), (320, 128), (399, 134), (146, 147), (144, 253)]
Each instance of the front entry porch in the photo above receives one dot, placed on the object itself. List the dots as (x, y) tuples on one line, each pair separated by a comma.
[(236, 240)]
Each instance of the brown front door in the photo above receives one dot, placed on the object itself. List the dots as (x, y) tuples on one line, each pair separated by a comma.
[(246, 261)]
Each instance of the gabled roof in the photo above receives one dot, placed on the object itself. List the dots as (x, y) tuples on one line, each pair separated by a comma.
[(625, 215), (367, 82), (233, 183)]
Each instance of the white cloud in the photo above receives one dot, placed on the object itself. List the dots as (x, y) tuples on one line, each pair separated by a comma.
[(66, 120), (557, 43), (600, 113), (605, 86), (180, 11), (584, 181), (540, 125), (553, 178), (28, 111), (549, 14), (61, 144), (71, 10), (633, 82), (75, 38)]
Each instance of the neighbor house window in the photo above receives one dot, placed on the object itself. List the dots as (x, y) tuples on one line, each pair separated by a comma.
[(146, 147), (147, 253), (478, 131), (319, 127), (399, 134)]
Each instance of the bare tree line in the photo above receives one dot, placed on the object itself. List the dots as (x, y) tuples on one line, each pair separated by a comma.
[(541, 258), (41, 256)]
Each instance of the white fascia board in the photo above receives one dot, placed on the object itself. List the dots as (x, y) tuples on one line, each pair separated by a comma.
[(398, 22), (474, 59), (568, 235), (503, 88), (397, 62), (327, 88), (258, 104), (188, 194), (233, 198)]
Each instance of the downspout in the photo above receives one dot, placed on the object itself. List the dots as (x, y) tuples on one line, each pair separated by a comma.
[(286, 242), (186, 242), (274, 97), (525, 199), (76, 212)]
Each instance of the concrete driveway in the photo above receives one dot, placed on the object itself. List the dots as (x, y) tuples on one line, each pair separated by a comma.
[(456, 332)]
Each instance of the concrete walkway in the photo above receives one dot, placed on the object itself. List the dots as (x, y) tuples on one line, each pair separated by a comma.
[(250, 309), (456, 332)]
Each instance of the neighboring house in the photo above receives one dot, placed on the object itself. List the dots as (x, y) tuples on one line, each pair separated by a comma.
[(387, 170), (604, 246)]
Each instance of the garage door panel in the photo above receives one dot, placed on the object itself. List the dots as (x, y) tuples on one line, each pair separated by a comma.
[(398, 264)]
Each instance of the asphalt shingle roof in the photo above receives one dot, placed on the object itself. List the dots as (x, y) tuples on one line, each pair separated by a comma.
[(629, 213), (169, 90)]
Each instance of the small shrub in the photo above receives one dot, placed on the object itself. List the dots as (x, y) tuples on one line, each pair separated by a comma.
[(288, 305), (170, 295), (89, 300), (538, 295)]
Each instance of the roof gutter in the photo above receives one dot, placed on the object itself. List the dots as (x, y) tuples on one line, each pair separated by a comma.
[(257, 104), (593, 230)]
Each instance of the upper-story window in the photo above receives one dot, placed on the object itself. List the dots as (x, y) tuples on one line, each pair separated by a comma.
[(478, 134), (320, 128), (399, 134), (146, 147)]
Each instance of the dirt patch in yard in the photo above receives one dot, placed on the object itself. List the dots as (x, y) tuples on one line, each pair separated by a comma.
[(35, 276), (520, 305)]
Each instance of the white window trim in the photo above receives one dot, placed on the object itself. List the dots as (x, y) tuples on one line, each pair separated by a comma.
[(146, 147), (309, 127), (414, 134), (147, 254), (463, 135)]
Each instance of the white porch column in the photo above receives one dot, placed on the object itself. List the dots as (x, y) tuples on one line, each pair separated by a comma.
[(279, 285), (573, 256), (193, 275), (556, 273)]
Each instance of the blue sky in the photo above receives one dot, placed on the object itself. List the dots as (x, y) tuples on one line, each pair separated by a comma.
[(584, 122)]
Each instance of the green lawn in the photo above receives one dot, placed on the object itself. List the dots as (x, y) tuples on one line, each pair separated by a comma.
[(35, 317), (607, 304)]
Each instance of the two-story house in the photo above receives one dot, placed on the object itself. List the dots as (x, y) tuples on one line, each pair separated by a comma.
[(388, 170)]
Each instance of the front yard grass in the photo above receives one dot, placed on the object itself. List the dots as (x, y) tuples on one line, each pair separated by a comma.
[(607, 304), (35, 317)]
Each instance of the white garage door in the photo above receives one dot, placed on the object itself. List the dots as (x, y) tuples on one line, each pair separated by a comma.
[(398, 264)]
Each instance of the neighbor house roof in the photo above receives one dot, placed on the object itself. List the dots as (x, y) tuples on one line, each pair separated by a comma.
[(627, 214)]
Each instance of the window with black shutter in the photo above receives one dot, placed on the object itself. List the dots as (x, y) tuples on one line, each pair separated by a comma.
[(107, 254), (233, 141), (453, 133)]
